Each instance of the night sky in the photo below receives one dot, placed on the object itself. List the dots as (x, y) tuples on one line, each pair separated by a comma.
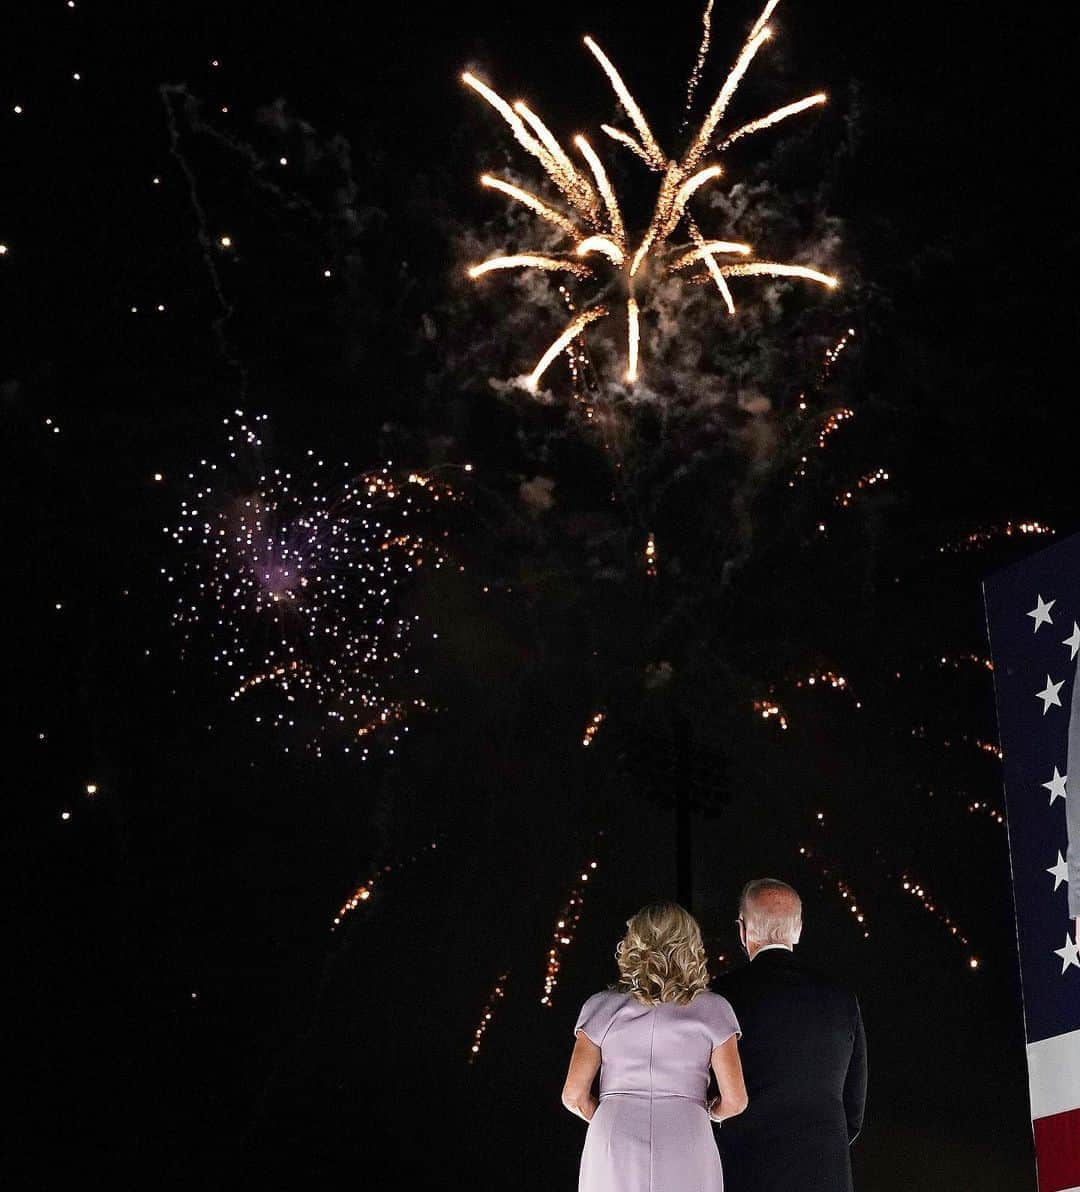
[(178, 1005)]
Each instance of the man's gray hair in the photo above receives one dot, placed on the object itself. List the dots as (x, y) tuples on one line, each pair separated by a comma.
[(771, 912)]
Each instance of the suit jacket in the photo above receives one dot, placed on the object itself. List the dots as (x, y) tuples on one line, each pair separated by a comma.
[(803, 1053)]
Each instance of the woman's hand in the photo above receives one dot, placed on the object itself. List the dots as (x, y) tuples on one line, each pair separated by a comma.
[(586, 1108), (583, 1107)]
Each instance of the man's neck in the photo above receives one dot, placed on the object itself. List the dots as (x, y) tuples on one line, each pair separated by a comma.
[(757, 949)]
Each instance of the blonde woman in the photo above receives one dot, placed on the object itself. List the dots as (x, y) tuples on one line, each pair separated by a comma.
[(653, 1040)]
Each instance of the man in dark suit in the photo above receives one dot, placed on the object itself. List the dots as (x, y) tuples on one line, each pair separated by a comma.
[(803, 1054)]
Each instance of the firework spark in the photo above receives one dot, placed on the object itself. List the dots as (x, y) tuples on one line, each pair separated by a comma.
[(296, 583), (595, 223)]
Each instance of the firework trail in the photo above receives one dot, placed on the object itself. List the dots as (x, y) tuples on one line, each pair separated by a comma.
[(846, 496), (296, 583), (990, 748), (620, 263), (366, 890), (821, 680), (592, 727), (699, 62), (828, 422), (983, 537), (905, 883), (565, 930), (931, 907), (769, 709), (835, 881), (487, 1014)]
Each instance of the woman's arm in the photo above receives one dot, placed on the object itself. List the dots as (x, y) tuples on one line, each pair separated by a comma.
[(577, 1095), (729, 1079)]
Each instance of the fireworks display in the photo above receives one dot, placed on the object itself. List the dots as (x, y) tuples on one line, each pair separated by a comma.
[(565, 930), (297, 583), (719, 463), (599, 248)]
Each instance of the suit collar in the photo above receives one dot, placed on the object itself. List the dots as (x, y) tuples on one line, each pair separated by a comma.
[(773, 956)]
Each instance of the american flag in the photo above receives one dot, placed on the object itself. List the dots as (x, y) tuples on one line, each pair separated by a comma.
[(1033, 613)]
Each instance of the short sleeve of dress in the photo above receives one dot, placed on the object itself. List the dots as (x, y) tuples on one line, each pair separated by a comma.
[(597, 1015), (720, 1020)]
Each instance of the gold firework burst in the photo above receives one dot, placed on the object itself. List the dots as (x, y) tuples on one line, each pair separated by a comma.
[(592, 219)]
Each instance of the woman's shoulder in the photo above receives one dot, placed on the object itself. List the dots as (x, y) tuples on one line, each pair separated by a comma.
[(709, 1002), (717, 1016), (598, 1013), (607, 997)]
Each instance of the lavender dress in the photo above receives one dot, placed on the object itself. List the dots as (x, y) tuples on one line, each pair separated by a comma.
[(651, 1130)]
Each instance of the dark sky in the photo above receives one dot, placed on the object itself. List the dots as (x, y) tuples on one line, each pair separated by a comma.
[(178, 1004)]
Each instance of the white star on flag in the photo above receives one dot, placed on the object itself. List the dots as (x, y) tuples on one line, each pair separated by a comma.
[(1041, 613), (1049, 694), (1070, 954), (1073, 641), (1056, 786), (1060, 871)]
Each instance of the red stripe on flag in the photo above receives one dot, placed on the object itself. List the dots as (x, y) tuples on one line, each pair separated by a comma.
[(1057, 1150)]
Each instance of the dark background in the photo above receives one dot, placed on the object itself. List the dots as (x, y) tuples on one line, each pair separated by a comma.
[(178, 1007)]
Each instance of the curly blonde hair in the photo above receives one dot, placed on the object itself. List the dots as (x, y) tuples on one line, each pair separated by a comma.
[(662, 958)]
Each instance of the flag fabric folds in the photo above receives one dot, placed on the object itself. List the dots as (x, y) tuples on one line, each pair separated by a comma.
[(1033, 617)]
